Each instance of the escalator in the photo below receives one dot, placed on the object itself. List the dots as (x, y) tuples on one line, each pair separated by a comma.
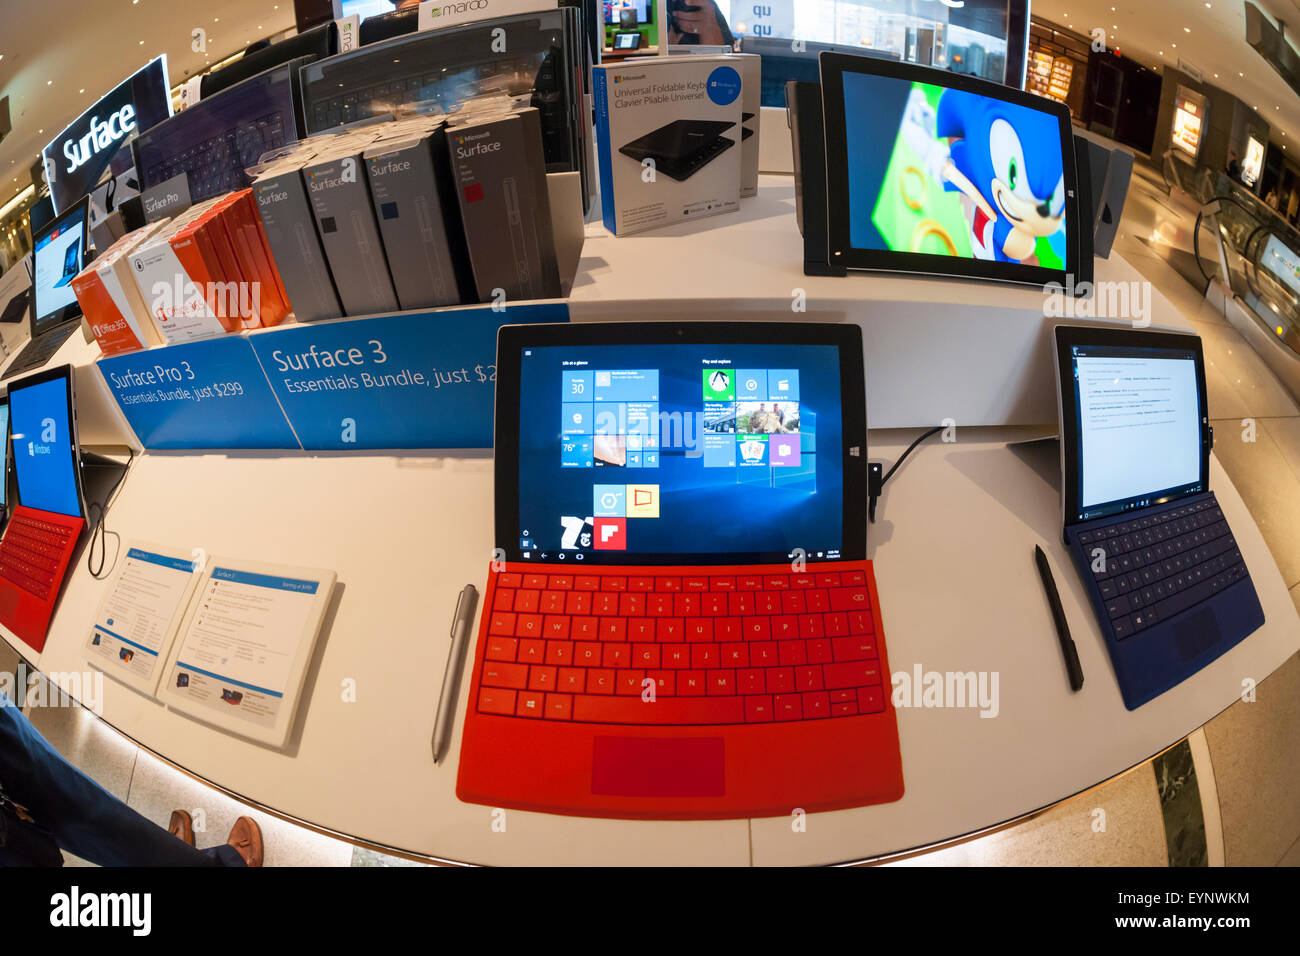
[(1244, 249)]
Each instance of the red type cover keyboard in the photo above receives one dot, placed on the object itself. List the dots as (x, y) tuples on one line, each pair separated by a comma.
[(680, 692), (715, 648), (31, 554)]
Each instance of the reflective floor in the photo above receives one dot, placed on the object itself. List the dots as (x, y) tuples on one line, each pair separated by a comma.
[(1230, 794)]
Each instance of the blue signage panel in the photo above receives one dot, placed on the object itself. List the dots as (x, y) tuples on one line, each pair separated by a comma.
[(421, 380), (200, 395)]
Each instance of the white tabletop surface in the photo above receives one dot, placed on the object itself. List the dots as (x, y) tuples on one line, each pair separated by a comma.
[(953, 548)]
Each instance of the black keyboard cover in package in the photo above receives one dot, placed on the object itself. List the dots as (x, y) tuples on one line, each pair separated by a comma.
[(218, 139), (541, 55)]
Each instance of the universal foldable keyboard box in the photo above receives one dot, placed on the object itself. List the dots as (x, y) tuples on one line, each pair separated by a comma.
[(345, 217), (500, 174), (668, 130), (419, 217), (751, 109)]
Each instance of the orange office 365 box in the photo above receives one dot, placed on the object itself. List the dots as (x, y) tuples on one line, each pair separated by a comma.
[(111, 301)]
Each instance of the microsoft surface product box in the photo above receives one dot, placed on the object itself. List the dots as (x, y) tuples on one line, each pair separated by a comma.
[(212, 239), (175, 269), (345, 217), (419, 217), (500, 174), (668, 129), (285, 211), (252, 264), (111, 301), (241, 293)]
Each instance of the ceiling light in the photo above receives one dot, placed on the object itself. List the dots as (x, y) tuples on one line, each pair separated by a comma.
[(1187, 29), (9, 206), (49, 82)]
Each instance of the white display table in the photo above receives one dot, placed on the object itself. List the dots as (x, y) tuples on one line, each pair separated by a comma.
[(953, 548)]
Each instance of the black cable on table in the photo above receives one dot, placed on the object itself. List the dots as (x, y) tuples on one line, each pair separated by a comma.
[(99, 529), (877, 485)]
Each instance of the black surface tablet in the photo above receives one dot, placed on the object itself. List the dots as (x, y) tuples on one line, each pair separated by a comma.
[(941, 174)]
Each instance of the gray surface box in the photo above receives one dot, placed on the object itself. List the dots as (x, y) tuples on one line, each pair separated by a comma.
[(291, 233), (345, 217), (500, 176), (404, 186)]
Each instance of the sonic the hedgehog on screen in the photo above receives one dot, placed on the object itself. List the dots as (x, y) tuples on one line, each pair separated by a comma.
[(1006, 160), (975, 177)]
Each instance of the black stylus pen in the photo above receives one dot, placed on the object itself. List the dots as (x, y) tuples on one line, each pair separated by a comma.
[(1058, 615)]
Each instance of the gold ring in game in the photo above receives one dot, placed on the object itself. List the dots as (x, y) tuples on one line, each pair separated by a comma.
[(902, 187), (928, 227)]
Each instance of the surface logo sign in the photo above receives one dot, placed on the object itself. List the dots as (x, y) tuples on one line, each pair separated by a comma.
[(102, 135)]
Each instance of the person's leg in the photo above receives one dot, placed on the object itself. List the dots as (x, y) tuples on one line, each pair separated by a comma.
[(83, 817)]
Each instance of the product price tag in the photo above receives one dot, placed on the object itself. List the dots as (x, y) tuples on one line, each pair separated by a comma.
[(419, 380), (211, 394)]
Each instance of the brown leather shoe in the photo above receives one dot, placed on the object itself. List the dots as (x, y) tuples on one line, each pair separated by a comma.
[(246, 837), (182, 826)]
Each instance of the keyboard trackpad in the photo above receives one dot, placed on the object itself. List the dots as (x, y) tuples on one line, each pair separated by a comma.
[(1197, 634), (658, 767)]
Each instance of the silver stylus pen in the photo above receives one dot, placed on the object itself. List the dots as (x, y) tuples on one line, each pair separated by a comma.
[(460, 627)]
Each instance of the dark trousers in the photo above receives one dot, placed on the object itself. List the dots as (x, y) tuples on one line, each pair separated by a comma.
[(78, 814)]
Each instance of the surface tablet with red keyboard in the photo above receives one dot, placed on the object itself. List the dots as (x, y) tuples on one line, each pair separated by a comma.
[(685, 625)]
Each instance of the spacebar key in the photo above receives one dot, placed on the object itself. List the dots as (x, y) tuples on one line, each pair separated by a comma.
[(666, 710)]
